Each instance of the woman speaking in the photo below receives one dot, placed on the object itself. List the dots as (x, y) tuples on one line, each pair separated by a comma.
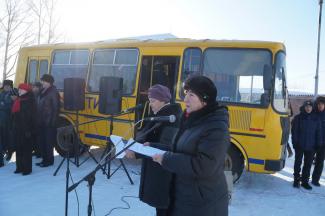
[(197, 160)]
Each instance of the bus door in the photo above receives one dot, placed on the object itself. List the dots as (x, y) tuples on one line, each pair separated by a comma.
[(37, 67), (156, 70)]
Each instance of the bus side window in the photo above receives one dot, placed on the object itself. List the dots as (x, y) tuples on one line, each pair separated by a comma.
[(32, 68), (43, 68), (192, 58)]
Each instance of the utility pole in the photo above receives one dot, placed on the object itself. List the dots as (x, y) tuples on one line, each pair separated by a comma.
[(318, 46)]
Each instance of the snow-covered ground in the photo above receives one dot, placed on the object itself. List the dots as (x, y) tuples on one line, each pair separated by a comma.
[(42, 194)]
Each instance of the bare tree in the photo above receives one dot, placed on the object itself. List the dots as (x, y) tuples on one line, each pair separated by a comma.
[(37, 7), (15, 27), (44, 13), (52, 34)]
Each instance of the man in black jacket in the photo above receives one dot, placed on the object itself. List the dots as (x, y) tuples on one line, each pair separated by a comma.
[(320, 151), (306, 134), (48, 111), (155, 181)]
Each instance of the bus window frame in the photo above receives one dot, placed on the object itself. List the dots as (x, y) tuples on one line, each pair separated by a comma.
[(230, 103), (80, 49), (114, 48), (28, 69), (181, 90), (273, 84)]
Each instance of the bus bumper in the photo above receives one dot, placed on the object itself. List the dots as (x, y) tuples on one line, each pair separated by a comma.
[(274, 165)]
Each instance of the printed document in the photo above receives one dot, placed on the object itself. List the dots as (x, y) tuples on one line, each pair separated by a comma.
[(136, 147)]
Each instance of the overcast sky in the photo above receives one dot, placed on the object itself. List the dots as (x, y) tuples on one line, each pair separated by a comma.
[(294, 22)]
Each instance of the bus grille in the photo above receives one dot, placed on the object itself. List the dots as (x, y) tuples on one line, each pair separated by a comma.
[(240, 120)]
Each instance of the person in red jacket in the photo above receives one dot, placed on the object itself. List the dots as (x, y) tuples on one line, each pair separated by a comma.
[(24, 124)]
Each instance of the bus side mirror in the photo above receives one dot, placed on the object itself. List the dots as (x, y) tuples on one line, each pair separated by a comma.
[(267, 77), (267, 85)]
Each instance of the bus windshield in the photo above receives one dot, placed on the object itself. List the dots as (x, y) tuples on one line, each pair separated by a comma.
[(237, 73)]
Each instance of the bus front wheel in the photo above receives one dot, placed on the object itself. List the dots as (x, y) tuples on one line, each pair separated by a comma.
[(234, 162)]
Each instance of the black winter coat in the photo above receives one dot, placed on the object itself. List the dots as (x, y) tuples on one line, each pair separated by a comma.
[(48, 107), (306, 131), (24, 124), (200, 187), (321, 116), (155, 181), (5, 108)]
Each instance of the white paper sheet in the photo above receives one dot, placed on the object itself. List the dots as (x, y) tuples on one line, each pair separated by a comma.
[(119, 145), (136, 147), (144, 150)]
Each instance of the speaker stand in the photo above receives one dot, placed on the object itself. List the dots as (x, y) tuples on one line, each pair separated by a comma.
[(77, 147), (108, 148)]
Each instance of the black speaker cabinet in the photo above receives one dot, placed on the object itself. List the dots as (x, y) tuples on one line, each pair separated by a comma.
[(110, 95), (74, 94)]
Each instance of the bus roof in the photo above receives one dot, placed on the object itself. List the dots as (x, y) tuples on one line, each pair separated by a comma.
[(162, 43)]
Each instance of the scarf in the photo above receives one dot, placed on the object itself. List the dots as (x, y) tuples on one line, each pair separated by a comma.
[(16, 105)]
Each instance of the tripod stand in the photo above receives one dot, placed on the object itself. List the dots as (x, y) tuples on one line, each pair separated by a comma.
[(90, 178), (73, 139), (108, 149)]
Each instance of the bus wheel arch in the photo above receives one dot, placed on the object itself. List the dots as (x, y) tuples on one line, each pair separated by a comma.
[(235, 161)]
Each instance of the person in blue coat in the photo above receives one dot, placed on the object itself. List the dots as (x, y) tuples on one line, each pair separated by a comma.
[(5, 118), (320, 151), (306, 138)]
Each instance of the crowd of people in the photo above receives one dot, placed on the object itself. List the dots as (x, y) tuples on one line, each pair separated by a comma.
[(188, 179), (308, 140), (28, 118)]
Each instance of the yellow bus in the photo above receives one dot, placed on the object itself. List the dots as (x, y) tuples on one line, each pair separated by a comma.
[(250, 77)]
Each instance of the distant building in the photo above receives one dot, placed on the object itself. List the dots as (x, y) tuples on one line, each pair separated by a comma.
[(297, 99)]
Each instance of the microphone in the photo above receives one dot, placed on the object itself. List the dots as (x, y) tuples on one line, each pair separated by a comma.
[(171, 118), (132, 109)]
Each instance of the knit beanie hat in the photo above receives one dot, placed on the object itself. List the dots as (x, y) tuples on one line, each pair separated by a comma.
[(8, 82), (308, 103), (159, 92), (203, 87), (48, 78), (25, 86)]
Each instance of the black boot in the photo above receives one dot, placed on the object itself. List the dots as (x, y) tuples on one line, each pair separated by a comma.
[(316, 183), (306, 185), (296, 180), (296, 183)]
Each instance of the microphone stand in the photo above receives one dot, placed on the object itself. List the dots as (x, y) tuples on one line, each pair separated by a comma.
[(90, 177)]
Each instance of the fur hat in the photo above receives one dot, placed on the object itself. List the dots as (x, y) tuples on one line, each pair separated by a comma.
[(48, 78), (159, 92), (8, 82), (320, 99), (25, 86), (203, 87)]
